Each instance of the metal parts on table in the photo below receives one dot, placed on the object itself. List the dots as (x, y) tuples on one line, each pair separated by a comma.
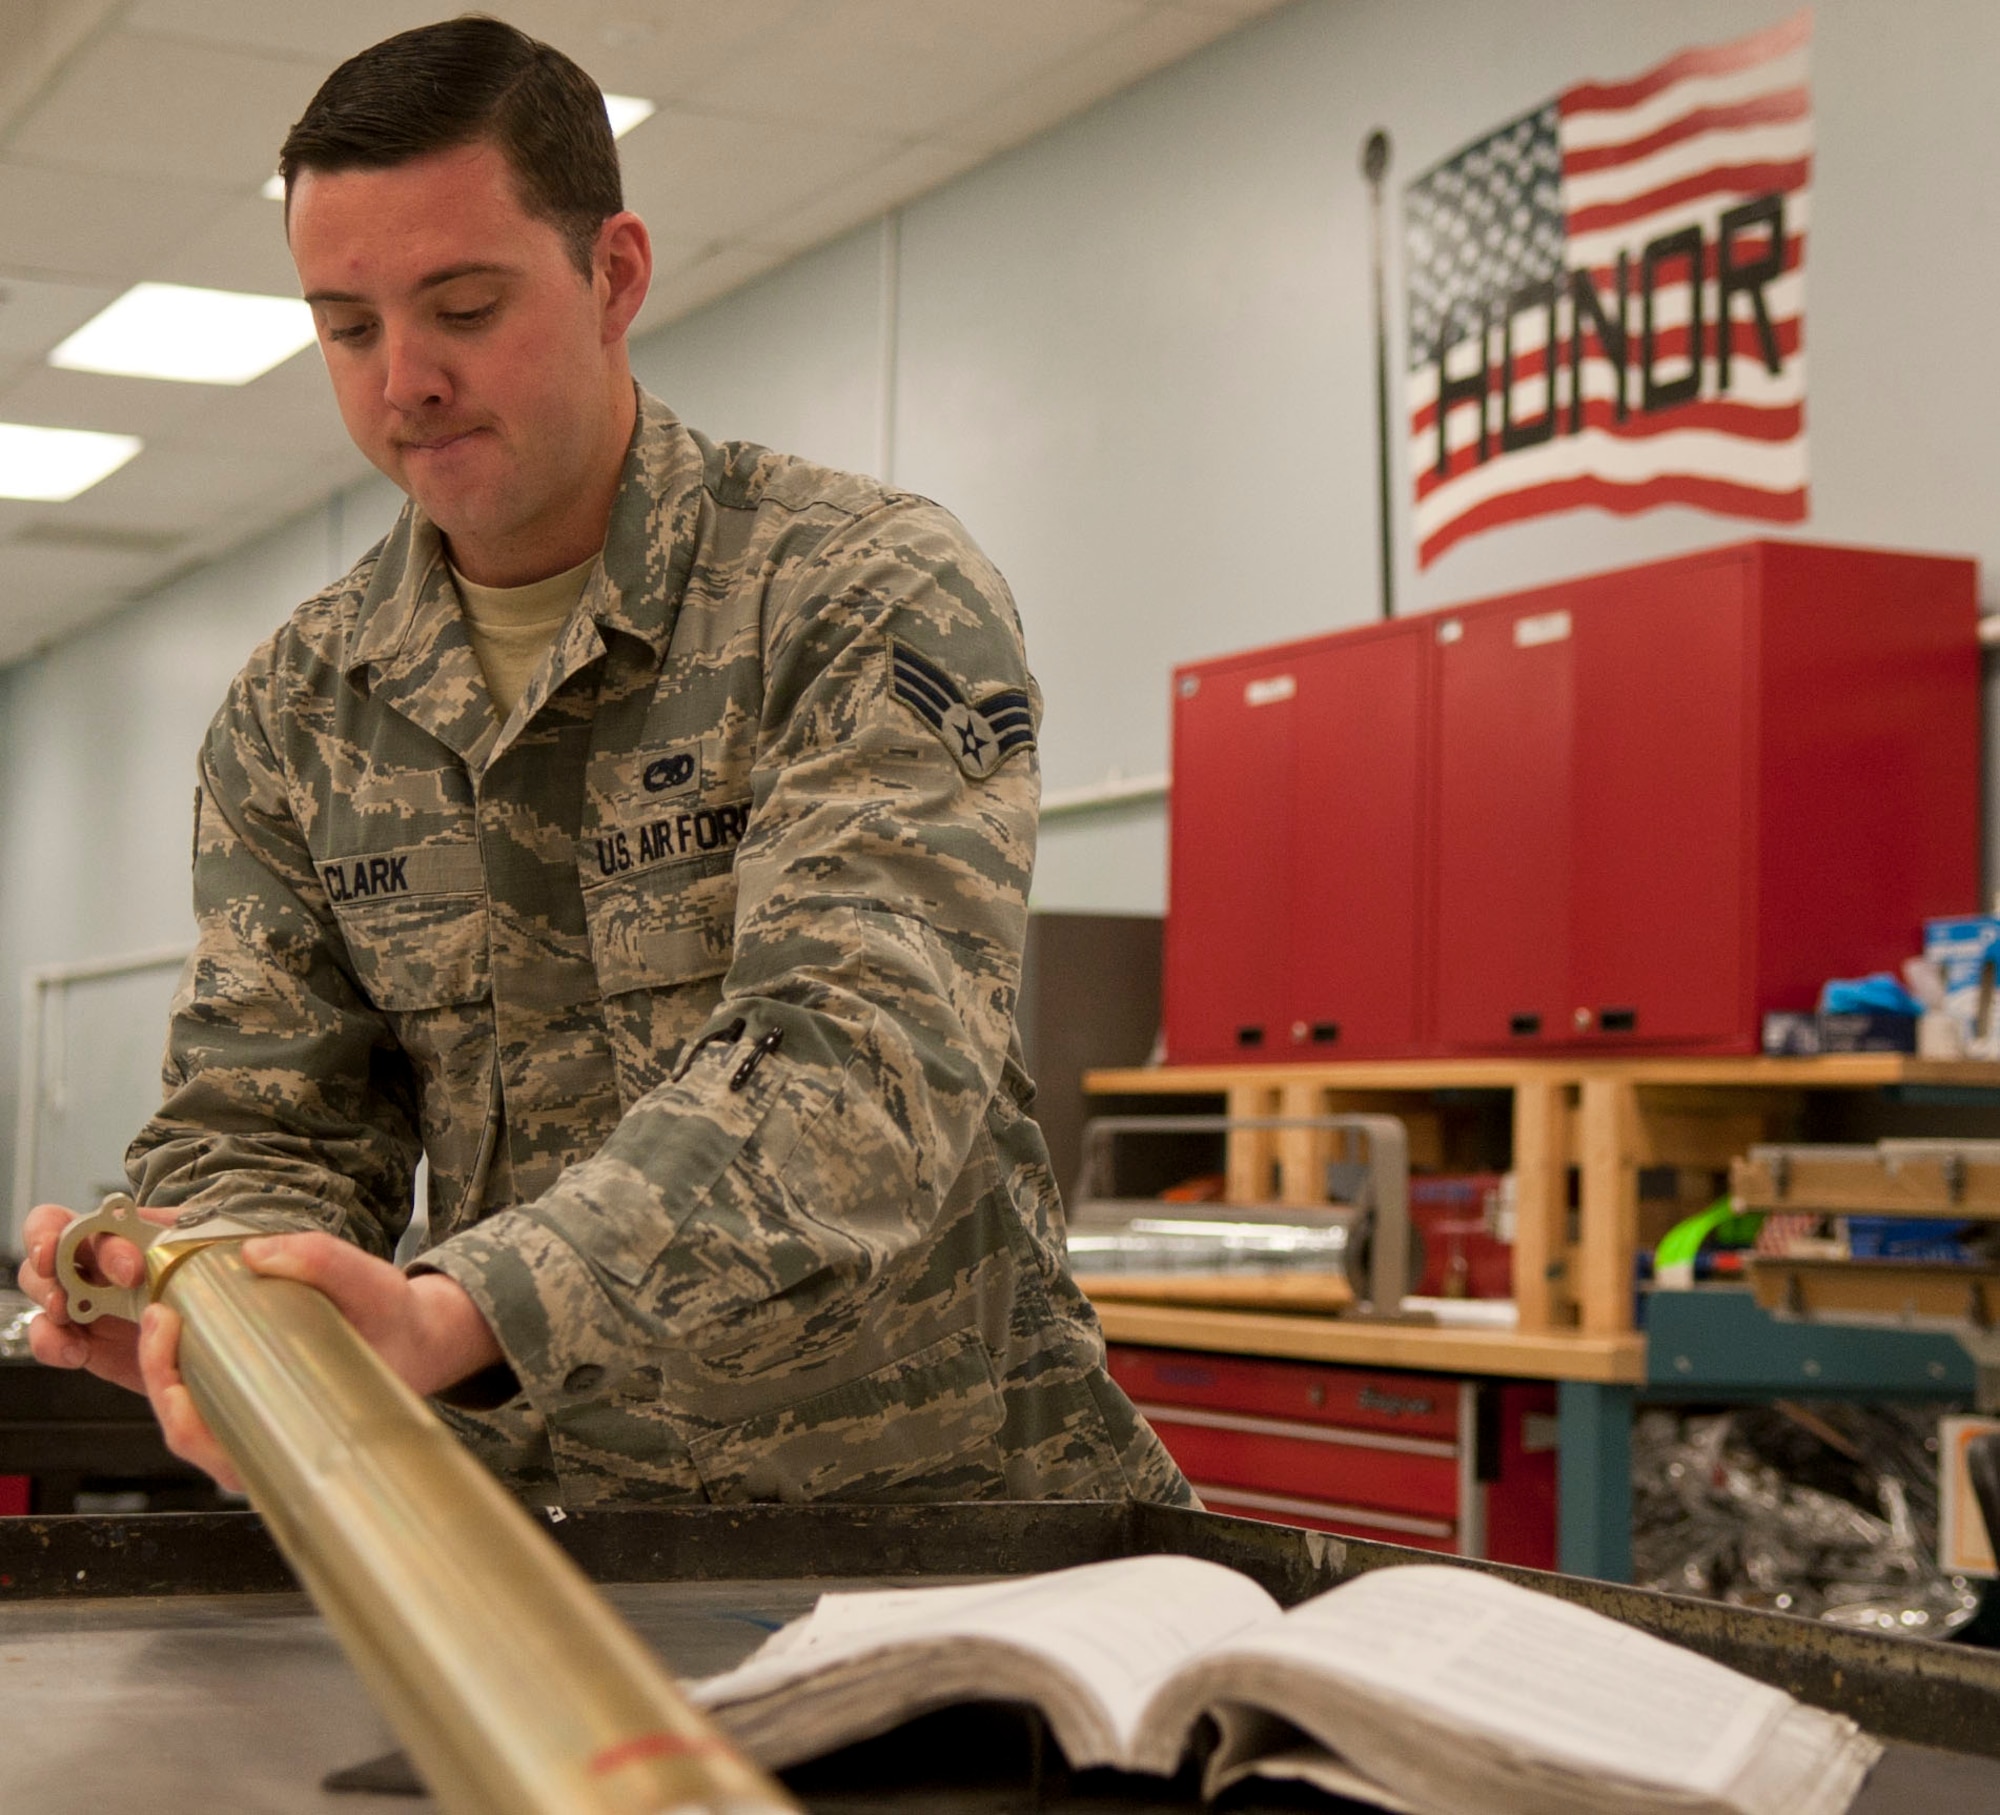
[(1367, 1238), (512, 1683)]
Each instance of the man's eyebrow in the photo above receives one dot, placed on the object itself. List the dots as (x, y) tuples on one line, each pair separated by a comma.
[(431, 280)]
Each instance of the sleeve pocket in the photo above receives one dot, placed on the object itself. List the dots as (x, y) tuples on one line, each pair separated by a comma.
[(924, 1428)]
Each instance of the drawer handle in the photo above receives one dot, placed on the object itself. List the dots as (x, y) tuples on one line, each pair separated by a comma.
[(1524, 1027), (1344, 1435), (1618, 1020), (1249, 1036)]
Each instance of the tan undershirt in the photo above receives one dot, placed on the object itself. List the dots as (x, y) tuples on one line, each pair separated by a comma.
[(511, 627)]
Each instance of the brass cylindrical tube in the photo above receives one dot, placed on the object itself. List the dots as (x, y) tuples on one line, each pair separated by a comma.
[(512, 1684)]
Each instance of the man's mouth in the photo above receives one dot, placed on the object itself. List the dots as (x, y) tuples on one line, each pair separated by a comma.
[(436, 443)]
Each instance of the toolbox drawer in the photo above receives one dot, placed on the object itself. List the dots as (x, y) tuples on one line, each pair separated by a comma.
[(1410, 1405), (1432, 1460), (1324, 1515), (1223, 1451)]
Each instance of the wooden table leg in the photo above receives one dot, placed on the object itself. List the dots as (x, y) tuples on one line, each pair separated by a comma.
[(1302, 1152), (1542, 1289), (1252, 1162), (1609, 1205)]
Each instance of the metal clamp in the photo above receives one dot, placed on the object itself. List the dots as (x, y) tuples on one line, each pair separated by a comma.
[(89, 1299)]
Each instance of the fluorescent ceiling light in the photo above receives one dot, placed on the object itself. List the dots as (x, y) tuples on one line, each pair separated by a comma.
[(274, 188), (195, 336), (626, 111), (51, 466)]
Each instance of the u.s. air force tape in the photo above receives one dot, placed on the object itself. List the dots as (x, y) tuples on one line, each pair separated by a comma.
[(980, 734)]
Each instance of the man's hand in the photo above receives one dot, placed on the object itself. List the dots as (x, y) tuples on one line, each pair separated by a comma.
[(427, 1329), (108, 1347)]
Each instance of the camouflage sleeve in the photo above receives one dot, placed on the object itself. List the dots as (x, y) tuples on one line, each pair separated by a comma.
[(285, 1101), (745, 1209)]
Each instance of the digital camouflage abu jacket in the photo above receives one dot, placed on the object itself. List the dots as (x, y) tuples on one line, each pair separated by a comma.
[(695, 980)]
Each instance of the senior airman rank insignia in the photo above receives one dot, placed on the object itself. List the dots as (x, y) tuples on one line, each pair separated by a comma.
[(979, 736)]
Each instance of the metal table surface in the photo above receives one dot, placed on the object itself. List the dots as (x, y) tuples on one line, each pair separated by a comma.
[(232, 1693)]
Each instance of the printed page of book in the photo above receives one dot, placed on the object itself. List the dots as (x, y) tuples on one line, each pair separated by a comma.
[(1547, 1705), (1523, 1665), (1086, 1645)]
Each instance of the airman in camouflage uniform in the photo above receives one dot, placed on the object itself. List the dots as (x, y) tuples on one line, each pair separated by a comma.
[(694, 979)]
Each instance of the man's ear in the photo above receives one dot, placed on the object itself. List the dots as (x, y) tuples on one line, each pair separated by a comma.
[(621, 271)]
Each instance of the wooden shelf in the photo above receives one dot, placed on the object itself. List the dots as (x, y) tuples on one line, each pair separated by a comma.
[(1604, 1117), (1608, 1360), (1827, 1071)]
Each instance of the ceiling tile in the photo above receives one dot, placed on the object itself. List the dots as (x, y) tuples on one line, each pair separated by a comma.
[(241, 248), (1241, 11), (70, 223), (897, 179), (698, 178), (146, 407), (1150, 43), (663, 49), (659, 48), (34, 315), (907, 69), (40, 36), (143, 106), (307, 29), (186, 485), (291, 405), (16, 514)]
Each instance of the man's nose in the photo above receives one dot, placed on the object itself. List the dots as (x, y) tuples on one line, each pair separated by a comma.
[(413, 377)]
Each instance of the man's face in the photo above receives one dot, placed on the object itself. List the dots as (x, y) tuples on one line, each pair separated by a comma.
[(473, 363)]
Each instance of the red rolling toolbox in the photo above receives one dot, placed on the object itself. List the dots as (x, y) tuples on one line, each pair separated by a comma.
[(1635, 811), (1429, 1460)]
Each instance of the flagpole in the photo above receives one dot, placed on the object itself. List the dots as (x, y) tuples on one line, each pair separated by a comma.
[(1375, 166)]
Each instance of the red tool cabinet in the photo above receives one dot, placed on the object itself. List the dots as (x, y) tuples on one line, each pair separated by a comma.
[(1632, 811), (1295, 916), (1461, 1466)]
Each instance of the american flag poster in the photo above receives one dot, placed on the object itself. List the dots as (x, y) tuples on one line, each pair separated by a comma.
[(1607, 300)]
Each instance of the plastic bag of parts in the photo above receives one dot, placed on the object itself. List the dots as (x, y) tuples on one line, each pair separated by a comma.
[(1825, 1509)]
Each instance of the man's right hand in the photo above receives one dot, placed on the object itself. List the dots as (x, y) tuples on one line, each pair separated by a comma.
[(110, 1346)]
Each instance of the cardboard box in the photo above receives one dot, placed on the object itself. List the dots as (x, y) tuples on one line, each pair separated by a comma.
[(1966, 951), (1965, 1547)]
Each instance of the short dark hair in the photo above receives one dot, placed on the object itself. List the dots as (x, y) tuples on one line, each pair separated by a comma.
[(460, 82)]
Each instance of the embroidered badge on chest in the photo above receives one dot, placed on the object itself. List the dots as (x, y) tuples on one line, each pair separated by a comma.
[(980, 734)]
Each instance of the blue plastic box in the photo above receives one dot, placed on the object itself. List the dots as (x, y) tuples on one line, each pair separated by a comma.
[(1907, 1238)]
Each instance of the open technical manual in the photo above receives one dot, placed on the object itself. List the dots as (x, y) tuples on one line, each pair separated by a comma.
[(1424, 1689)]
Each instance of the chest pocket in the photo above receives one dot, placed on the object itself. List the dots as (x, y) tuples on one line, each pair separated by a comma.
[(414, 922), (672, 924)]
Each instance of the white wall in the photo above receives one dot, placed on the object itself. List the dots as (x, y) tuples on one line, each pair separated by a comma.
[(1135, 358), (97, 769)]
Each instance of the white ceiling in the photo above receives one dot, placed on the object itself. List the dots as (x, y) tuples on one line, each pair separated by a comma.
[(135, 134)]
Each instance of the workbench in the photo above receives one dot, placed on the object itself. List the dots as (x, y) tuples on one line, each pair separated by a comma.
[(1599, 1123), (166, 1662)]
